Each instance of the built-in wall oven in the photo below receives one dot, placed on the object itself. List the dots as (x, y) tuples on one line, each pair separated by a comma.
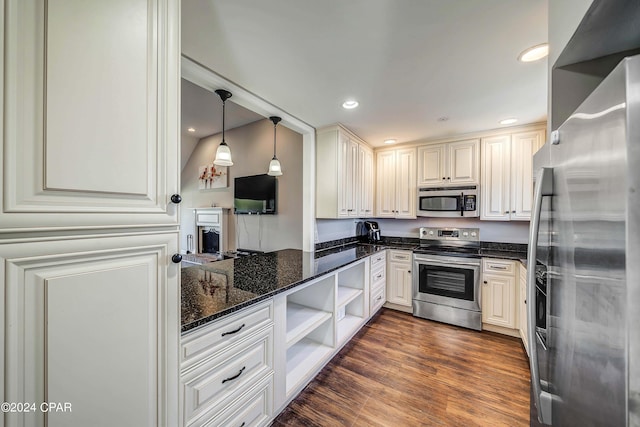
[(446, 279), (448, 201)]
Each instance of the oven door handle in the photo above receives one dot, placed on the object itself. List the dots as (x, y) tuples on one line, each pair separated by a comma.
[(447, 263), (542, 399)]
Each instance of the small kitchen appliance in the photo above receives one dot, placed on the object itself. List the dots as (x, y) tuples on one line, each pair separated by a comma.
[(446, 276), (373, 231)]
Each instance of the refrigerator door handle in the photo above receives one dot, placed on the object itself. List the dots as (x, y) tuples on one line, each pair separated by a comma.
[(542, 399)]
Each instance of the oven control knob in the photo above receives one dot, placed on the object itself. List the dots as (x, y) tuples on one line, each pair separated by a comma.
[(431, 233), (465, 234), (474, 234)]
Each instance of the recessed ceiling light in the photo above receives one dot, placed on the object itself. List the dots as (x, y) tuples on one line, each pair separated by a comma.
[(191, 130), (390, 141), (534, 53), (443, 119), (508, 121), (349, 104)]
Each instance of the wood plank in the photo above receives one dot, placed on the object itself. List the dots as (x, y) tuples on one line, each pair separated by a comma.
[(400, 370)]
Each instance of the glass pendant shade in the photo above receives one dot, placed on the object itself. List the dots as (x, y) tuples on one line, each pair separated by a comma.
[(223, 155), (274, 167)]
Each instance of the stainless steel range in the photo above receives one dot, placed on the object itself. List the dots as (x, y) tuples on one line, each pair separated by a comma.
[(446, 279)]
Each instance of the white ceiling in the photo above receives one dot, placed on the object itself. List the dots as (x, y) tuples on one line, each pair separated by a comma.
[(408, 62), (202, 110)]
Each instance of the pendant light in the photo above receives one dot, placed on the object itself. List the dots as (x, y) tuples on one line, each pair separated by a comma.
[(274, 165), (223, 154)]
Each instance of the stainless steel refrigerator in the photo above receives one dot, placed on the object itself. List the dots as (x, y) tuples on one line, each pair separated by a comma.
[(584, 261)]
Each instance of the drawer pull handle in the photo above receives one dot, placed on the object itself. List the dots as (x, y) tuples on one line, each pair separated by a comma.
[(242, 425), (496, 267), (235, 376), (233, 332), (379, 298), (379, 276)]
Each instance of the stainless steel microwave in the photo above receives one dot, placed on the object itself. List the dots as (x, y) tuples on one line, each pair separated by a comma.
[(448, 202)]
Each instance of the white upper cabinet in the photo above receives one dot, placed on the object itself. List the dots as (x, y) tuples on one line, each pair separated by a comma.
[(452, 163), (507, 164), (365, 166), (344, 170), (395, 183), (90, 107)]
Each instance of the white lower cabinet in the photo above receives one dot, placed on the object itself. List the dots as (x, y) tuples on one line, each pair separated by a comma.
[(378, 282), (84, 316), (499, 293), (225, 361), (399, 278), (522, 307)]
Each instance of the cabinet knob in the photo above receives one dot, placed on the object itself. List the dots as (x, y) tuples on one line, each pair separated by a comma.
[(409, 271), (444, 177), (449, 178), (176, 258), (176, 198), (513, 211), (506, 212), (485, 282)]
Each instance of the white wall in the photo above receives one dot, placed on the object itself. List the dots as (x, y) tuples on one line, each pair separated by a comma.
[(187, 145), (490, 231), (252, 149)]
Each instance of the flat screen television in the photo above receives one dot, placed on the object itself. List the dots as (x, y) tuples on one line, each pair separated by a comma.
[(255, 194)]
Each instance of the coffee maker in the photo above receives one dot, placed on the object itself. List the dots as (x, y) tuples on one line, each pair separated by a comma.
[(368, 232)]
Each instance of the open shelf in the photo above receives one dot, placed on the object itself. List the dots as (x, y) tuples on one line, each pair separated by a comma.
[(347, 294), (302, 358), (302, 320), (347, 326)]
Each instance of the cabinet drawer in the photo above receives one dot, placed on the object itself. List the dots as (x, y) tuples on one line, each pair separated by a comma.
[(378, 275), (499, 266), (254, 408), (378, 298), (204, 342), (378, 259), (402, 256), (219, 379)]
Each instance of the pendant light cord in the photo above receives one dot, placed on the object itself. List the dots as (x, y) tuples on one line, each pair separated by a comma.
[(223, 105), (274, 140)]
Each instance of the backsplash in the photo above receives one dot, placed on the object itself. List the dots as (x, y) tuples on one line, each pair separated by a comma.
[(490, 231)]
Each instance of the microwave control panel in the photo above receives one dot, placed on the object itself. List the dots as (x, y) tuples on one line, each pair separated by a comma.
[(470, 203)]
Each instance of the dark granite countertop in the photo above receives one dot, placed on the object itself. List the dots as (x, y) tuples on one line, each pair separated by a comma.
[(215, 289), (212, 290)]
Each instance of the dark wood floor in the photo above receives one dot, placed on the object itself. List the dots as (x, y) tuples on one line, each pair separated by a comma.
[(404, 371)]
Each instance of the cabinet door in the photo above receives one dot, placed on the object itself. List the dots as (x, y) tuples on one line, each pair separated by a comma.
[(498, 300), (399, 283), (90, 107), (431, 165), (464, 162), (406, 192), (353, 181), (522, 303), (496, 176), (365, 176), (523, 147), (344, 175), (386, 184), (93, 322)]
